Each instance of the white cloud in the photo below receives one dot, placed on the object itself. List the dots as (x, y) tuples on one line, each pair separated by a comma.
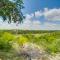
[(29, 16), (51, 26), (38, 14), (30, 24), (46, 9), (35, 25), (52, 14), (49, 14)]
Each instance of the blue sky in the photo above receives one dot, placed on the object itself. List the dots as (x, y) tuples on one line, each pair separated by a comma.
[(32, 6), (35, 5), (40, 15)]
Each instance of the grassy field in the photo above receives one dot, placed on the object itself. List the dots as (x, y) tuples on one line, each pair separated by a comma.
[(49, 41)]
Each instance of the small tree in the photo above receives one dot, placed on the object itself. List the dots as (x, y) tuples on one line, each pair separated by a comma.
[(11, 10)]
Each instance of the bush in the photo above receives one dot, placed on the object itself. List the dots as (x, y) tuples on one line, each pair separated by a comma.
[(5, 40)]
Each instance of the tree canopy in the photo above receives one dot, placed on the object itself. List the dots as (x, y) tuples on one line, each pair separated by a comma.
[(11, 10)]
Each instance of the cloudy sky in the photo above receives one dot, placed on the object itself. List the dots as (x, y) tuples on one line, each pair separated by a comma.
[(40, 15)]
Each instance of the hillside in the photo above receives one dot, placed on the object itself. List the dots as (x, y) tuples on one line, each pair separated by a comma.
[(12, 43)]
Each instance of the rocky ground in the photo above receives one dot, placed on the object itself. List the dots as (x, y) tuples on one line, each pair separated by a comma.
[(29, 51), (32, 52)]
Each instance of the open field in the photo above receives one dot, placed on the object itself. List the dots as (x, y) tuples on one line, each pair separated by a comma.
[(13, 41)]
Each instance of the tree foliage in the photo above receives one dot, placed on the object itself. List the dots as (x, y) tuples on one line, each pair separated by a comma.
[(11, 10)]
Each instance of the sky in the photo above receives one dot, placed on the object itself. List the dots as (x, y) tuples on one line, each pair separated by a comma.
[(40, 15)]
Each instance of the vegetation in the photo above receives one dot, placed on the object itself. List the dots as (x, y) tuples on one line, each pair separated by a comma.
[(49, 41), (11, 10)]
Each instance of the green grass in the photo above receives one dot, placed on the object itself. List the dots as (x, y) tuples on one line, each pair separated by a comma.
[(48, 40)]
